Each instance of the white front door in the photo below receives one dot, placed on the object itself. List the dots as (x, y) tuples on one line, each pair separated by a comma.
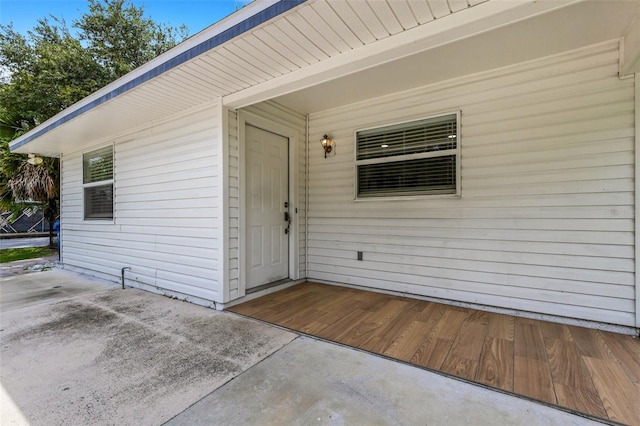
[(267, 201)]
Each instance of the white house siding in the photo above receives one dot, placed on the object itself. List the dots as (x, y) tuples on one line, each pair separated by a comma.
[(545, 220), (234, 205), (286, 117), (166, 209)]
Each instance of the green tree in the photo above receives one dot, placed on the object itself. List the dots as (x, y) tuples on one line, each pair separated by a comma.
[(121, 38), (23, 183), (47, 71), (52, 67)]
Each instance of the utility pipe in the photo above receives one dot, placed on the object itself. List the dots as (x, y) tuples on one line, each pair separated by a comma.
[(122, 273)]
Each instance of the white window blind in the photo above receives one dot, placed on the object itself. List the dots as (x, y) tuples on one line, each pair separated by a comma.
[(97, 171), (413, 158), (98, 165)]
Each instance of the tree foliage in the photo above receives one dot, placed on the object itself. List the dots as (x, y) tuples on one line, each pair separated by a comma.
[(52, 67), (47, 71), (121, 38)]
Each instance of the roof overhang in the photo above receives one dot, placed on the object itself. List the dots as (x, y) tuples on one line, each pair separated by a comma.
[(146, 94), (561, 29), (316, 54)]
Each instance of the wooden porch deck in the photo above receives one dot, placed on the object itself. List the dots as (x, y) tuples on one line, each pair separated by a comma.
[(584, 370)]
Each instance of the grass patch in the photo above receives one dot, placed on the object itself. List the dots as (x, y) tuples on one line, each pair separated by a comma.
[(22, 253)]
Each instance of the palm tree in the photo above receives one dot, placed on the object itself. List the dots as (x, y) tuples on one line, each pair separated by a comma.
[(34, 182), (25, 182)]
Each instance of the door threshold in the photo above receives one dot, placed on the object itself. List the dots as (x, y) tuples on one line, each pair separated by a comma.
[(268, 285)]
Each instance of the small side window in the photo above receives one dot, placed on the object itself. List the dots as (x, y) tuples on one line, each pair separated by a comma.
[(413, 158), (97, 179)]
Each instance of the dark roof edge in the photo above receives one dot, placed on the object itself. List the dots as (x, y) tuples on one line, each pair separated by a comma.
[(248, 24)]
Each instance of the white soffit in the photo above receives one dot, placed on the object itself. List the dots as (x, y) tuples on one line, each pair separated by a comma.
[(575, 26), (298, 48), (149, 93), (330, 26)]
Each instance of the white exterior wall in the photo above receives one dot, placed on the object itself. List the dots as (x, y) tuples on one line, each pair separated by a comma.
[(166, 211), (545, 222)]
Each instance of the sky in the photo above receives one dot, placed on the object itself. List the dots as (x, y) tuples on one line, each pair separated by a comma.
[(196, 14)]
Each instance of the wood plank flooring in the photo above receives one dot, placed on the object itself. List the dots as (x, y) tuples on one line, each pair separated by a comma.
[(585, 370)]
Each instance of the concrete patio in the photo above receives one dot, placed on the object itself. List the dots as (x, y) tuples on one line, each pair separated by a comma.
[(87, 352)]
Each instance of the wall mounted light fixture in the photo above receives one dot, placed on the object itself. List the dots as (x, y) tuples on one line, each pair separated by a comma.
[(34, 159), (327, 145)]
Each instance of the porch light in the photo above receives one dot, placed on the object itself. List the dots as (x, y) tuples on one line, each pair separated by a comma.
[(34, 160), (327, 144)]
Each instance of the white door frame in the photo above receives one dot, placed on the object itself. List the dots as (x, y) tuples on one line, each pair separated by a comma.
[(244, 118)]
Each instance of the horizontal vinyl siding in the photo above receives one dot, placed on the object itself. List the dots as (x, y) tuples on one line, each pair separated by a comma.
[(234, 206), (166, 210), (545, 222)]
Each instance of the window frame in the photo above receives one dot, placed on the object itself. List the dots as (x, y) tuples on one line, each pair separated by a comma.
[(408, 157), (111, 182)]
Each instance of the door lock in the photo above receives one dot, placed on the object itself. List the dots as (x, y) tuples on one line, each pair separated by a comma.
[(287, 218)]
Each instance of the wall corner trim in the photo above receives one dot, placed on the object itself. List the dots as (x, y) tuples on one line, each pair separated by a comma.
[(637, 195), (223, 159)]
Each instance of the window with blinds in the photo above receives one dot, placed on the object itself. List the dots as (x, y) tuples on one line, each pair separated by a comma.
[(97, 179), (414, 158)]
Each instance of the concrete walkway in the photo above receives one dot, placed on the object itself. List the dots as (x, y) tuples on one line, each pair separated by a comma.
[(28, 289), (314, 382), (97, 354)]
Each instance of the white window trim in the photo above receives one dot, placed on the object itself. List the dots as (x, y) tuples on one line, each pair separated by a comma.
[(100, 183), (455, 151), (111, 182)]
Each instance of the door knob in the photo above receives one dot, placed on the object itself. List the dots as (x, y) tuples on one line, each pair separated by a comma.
[(287, 219)]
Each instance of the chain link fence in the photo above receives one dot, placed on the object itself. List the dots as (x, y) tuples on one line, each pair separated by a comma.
[(30, 220)]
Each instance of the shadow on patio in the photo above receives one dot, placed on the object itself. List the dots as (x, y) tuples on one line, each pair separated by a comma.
[(583, 370)]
